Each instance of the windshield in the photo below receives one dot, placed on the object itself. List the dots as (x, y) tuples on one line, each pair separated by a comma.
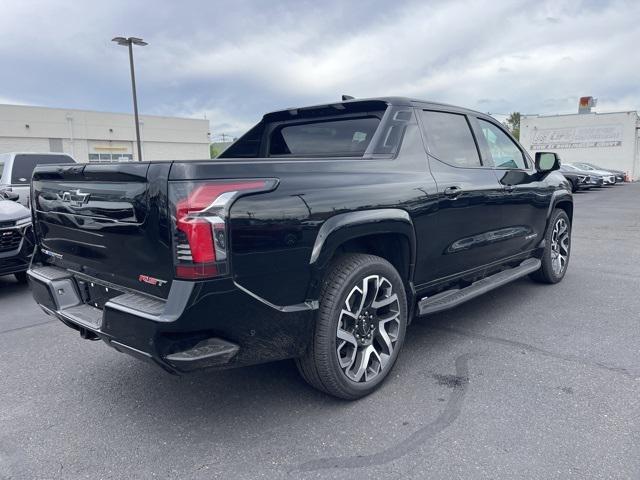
[(584, 166)]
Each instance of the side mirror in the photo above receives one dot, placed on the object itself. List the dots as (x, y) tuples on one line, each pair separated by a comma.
[(9, 195), (547, 162)]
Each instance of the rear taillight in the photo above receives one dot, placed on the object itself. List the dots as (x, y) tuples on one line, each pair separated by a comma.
[(199, 213)]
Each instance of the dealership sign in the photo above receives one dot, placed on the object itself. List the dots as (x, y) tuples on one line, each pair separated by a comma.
[(577, 137)]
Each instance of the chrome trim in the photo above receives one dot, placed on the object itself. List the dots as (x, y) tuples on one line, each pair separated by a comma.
[(298, 307), (102, 219)]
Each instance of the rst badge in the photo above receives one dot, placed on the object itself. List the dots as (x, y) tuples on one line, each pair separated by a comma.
[(156, 282)]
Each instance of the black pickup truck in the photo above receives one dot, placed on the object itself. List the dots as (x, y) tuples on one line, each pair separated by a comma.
[(318, 236)]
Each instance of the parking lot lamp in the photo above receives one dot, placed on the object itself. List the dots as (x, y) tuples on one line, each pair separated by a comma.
[(130, 42)]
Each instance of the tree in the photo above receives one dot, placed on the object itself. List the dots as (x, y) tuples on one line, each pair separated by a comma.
[(213, 151), (513, 124)]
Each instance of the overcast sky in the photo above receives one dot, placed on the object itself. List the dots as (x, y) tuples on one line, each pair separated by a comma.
[(235, 60)]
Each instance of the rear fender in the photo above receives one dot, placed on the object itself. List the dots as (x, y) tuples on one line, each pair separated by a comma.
[(341, 228)]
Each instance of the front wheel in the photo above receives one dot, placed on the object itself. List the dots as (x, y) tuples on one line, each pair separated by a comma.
[(555, 258), (360, 327)]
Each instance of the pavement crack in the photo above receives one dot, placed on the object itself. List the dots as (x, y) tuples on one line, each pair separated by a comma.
[(530, 348), (448, 415), (24, 327)]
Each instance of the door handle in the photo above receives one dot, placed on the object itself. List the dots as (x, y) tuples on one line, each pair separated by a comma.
[(452, 191)]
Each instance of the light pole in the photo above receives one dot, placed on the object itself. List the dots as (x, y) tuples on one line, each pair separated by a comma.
[(130, 42)]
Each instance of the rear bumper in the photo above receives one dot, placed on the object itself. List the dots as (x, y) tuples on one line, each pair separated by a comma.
[(199, 326)]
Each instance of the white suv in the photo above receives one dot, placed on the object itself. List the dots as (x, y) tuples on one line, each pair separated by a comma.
[(16, 170)]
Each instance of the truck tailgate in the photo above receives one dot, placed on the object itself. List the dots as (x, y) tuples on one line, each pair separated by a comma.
[(109, 222)]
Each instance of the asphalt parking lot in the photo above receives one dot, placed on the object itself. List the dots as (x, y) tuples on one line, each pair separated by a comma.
[(529, 381)]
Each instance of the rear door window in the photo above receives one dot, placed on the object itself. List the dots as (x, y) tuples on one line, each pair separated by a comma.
[(449, 138), (23, 166), (347, 137)]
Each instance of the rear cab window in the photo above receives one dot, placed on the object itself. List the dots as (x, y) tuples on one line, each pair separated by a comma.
[(346, 137), (23, 166), (350, 129)]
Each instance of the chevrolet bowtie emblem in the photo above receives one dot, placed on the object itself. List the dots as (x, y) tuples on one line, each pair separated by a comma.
[(76, 198)]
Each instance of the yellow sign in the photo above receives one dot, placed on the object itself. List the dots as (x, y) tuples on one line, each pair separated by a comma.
[(111, 149)]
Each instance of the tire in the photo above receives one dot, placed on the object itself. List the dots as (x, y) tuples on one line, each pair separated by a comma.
[(357, 363), (574, 187), (557, 252), (21, 277)]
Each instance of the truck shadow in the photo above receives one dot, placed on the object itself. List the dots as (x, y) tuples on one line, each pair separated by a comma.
[(266, 401), (9, 286), (262, 395)]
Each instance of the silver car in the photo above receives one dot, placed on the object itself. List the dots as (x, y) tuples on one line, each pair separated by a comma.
[(16, 170), (609, 178), (16, 238)]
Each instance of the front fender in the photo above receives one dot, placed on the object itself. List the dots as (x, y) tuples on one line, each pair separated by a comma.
[(557, 197)]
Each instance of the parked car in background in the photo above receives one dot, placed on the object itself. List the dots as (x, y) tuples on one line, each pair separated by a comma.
[(16, 170), (620, 175), (609, 178), (318, 235), (580, 179), (16, 237)]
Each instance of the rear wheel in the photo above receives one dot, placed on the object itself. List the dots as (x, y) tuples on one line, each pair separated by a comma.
[(21, 277), (555, 258), (360, 327)]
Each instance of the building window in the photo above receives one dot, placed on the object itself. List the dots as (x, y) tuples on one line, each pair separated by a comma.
[(55, 145), (110, 157)]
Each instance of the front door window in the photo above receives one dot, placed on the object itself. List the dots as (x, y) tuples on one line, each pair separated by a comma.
[(504, 151)]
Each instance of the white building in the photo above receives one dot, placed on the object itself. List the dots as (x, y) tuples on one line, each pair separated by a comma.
[(99, 136), (604, 139)]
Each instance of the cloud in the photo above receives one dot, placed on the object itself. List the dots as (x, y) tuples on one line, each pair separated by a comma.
[(235, 60)]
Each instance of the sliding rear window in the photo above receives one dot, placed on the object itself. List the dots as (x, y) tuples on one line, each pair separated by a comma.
[(347, 137), (338, 130)]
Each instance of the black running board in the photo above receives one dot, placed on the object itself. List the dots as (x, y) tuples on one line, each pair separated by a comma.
[(212, 352), (452, 298)]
